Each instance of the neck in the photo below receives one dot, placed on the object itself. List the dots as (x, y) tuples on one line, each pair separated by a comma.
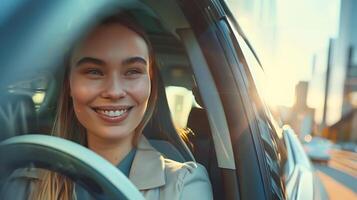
[(112, 150)]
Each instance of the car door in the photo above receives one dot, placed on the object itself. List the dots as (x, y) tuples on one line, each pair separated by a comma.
[(278, 161), (256, 170)]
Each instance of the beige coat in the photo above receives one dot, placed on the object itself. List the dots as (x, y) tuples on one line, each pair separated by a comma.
[(167, 179), (156, 178)]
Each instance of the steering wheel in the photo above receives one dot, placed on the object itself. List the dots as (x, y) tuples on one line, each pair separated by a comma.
[(102, 179)]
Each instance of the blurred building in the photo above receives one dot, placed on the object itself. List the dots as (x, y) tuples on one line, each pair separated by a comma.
[(301, 117), (346, 53), (350, 83), (345, 61), (341, 130)]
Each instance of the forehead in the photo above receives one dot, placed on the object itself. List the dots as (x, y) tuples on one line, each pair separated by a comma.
[(112, 40)]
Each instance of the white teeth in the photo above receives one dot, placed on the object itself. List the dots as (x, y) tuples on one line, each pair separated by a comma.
[(112, 113)]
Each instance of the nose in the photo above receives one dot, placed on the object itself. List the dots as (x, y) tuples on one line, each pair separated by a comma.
[(114, 89)]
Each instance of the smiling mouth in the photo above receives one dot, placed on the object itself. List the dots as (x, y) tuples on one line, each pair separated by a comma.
[(112, 112)]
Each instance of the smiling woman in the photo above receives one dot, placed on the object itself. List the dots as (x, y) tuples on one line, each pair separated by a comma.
[(108, 95), (110, 84)]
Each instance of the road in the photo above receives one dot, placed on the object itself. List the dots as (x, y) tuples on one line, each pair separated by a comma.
[(340, 175)]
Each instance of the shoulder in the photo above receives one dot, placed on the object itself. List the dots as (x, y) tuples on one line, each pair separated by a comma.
[(190, 177), (181, 170)]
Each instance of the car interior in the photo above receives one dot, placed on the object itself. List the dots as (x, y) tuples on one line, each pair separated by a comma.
[(29, 103)]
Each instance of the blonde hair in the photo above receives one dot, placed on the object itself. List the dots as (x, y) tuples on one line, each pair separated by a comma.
[(56, 186)]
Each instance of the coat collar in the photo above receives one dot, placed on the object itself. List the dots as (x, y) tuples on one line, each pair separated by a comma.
[(147, 169)]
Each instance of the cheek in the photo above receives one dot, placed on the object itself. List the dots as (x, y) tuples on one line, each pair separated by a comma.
[(81, 93), (147, 90), (143, 90)]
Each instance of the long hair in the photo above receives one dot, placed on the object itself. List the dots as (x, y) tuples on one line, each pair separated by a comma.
[(66, 125)]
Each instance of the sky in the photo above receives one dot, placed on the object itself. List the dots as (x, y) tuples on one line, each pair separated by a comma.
[(286, 35), (304, 29)]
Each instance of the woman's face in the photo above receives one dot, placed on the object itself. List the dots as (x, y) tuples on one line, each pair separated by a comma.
[(110, 82)]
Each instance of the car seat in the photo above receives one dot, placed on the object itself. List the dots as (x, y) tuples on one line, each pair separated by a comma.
[(161, 132), (17, 115), (203, 147)]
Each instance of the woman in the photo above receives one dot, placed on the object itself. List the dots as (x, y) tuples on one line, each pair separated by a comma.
[(108, 95)]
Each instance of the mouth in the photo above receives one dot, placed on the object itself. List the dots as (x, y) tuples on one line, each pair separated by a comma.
[(113, 112)]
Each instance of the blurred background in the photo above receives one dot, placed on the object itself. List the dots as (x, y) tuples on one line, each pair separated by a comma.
[(308, 51)]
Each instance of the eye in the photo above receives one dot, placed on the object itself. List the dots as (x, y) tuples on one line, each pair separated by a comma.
[(133, 72), (94, 72)]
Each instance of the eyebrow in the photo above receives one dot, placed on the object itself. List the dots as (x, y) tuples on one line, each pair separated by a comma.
[(90, 60), (97, 61), (133, 60)]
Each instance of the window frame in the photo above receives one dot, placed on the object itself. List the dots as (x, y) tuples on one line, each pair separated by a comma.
[(213, 31)]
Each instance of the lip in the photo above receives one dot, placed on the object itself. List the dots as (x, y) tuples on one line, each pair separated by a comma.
[(112, 107), (109, 119)]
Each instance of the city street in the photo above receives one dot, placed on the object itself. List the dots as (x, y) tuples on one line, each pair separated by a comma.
[(340, 175)]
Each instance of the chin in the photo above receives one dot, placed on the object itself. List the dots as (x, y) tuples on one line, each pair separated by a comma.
[(113, 133)]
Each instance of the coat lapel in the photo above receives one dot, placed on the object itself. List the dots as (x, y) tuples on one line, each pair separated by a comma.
[(147, 169)]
